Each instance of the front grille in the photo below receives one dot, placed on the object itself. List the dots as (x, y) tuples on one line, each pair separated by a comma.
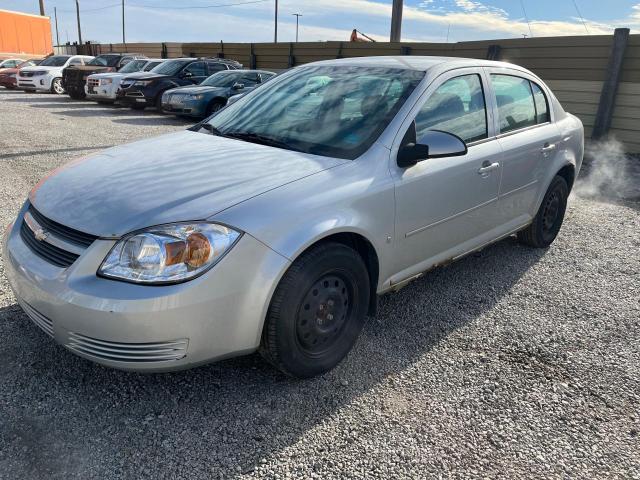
[(45, 249), (93, 82), (40, 320), (60, 231), (128, 352)]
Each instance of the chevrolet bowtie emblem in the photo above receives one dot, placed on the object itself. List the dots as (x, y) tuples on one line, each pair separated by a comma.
[(40, 235)]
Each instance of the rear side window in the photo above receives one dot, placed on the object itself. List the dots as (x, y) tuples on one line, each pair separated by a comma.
[(516, 108), (457, 106), (216, 67), (541, 104)]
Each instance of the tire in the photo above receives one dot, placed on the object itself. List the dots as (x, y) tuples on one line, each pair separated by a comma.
[(158, 103), (317, 311), (546, 224), (9, 87), (77, 94), (135, 106), (213, 107), (104, 102), (56, 86)]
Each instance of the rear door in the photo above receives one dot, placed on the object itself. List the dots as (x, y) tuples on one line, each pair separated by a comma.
[(447, 206), (215, 67), (528, 138)]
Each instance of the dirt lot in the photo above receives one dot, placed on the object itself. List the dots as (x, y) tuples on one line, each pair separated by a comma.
[(513, 362)]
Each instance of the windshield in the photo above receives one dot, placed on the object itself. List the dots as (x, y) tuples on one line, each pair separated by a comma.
[(133, 66), (170, 67), (337, 111), (222, 79), (105, 60), (151, 66), (55, 61), (28, 63)]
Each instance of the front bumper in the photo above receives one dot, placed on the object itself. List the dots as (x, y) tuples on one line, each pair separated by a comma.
[(186, 107), (102, 92), (147, 328), (131, 97), (39, 83)]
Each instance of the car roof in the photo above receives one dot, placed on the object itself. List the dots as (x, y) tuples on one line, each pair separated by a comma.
[(415, 62)]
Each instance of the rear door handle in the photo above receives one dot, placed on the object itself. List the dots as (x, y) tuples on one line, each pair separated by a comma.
[(488, 167), (548, 147)]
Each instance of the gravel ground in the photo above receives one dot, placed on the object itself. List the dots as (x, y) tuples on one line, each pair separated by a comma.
[(513, 362)]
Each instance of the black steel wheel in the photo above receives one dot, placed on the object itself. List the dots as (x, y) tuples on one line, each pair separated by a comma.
[(317, 311), (546, 224)]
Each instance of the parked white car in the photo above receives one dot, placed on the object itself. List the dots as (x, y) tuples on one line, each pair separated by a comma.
[(48, 75), (103, 87)]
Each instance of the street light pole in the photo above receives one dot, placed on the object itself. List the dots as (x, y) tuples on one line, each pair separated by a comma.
[(55, 14), (396, 20), (275, 30), (42, 8), (78, 17), (123, 39), (297, 15)]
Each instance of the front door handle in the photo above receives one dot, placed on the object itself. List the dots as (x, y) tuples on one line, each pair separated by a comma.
[(488, 167), (548, 147)]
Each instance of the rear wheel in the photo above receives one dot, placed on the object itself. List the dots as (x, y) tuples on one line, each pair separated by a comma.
[(317, 311), (158, 103), (56, 86), (547, 222)]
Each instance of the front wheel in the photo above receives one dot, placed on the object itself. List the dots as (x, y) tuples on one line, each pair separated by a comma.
[(547, 222), (317, 311), (56, 86)]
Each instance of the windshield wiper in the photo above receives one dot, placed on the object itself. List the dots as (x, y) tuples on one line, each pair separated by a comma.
[(260, 139), (211, 129)]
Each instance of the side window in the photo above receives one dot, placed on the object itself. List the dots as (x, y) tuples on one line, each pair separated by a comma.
[(541, 104), (125, 60), (516, 108), (249, 80), (457, 106), (197, 69), (75, 61), (216, 67)]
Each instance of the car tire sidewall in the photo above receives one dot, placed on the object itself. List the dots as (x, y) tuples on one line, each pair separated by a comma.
[(559, 185), (54, 82), (213, 107), (344, 262)]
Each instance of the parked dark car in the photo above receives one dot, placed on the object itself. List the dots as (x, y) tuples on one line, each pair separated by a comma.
[(211, 95), (146, 91), (8, 75), (74, 77)]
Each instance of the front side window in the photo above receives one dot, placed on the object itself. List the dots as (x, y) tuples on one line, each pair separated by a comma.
[(76, 61), (133, 66), (216, 67), (457, 106), (337, 111), (151, 65), (105, 60), (170, 67), (516, 108), (197, 69)]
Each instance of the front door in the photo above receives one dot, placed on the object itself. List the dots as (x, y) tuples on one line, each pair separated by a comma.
[(447, 206)]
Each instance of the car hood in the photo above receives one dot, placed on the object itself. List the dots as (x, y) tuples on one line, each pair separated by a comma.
[(197, 89), (96, 68), (41, 69), (176, 177), (112, 75), (137, 75), (147, 76)]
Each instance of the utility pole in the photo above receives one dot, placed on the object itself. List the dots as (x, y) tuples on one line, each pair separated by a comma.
[(396, 20), (78, 17), (275, 31), (55, 14), (123, 40), (297, 15), (42, 8)]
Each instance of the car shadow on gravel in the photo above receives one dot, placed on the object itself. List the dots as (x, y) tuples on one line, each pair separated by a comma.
[(69, 417), (154, 120), (53, 151)]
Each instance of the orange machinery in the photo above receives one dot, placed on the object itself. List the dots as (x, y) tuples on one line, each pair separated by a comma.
[(23, 34)]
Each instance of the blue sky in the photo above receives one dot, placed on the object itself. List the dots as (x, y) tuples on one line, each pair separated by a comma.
[(424, 20)]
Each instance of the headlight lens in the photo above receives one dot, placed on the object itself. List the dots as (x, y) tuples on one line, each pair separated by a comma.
[(38, 73), (195, 96), (105, 81), (142, 83), (168, 253)]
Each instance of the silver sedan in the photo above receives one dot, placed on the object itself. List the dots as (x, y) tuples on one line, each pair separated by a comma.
[(275, 224)]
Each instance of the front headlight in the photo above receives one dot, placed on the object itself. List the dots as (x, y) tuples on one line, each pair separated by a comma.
[(168, 253), (105, 81), (39, 72), (142, 83), (195, 96)]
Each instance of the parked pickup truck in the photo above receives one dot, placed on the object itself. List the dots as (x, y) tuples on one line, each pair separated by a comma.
[(103, 87), (74, 77)]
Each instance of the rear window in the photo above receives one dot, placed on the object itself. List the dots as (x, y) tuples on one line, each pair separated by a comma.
[(516, 108), (105, 60)]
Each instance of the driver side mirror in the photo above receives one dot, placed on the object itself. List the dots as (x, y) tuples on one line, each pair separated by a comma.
[(238, 86), (433, 144), (187, 75)]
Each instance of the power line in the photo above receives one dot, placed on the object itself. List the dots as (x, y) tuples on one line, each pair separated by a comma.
[(575, 4), (235, 4)]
